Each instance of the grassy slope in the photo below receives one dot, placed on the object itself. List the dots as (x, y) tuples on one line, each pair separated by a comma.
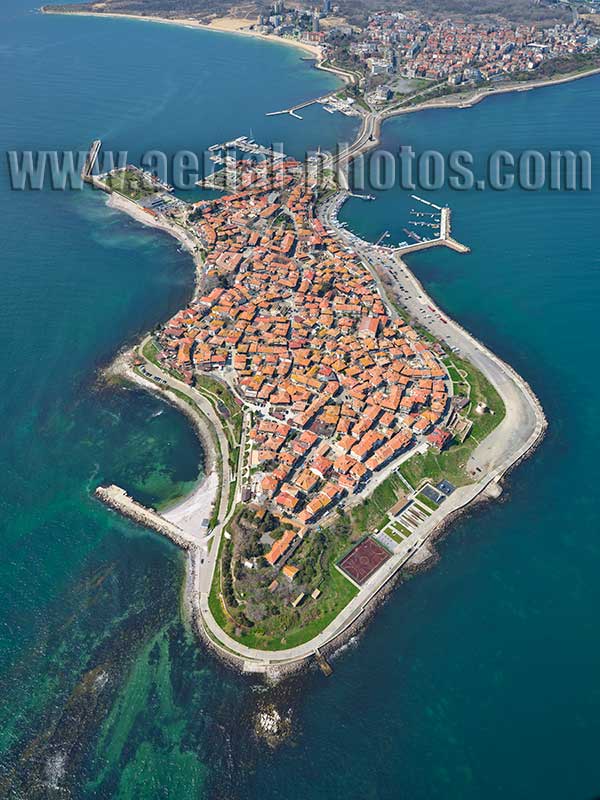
[(296, 626), (450, 464), (293, 626)]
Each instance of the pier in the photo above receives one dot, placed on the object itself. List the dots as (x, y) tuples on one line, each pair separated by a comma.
[(118, 499), (443, 240), (90, 161), (293, 109), (245, 145), (426, 202), (331, 102)]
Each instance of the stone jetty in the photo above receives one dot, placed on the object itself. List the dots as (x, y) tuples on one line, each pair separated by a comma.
[(118, 499)]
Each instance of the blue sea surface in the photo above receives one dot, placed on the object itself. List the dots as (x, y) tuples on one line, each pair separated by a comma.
[(478, 678)]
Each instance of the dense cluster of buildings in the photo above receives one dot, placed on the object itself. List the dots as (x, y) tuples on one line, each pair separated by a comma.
[(295, 321), (395, 45), (300, 23), (460, 51)]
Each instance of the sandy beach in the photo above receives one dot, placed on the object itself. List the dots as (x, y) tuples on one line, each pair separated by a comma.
[(235, 25), (192, 513)]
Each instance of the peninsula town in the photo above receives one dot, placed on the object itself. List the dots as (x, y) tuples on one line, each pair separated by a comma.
[(344, 429), (346, 418)]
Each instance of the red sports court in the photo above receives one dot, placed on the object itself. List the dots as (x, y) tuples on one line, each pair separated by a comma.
[(362, 562)]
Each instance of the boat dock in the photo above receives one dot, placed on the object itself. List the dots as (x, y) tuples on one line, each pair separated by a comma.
[(90, 161), (426, 202), (245, 145), (226, 156), (293, 109), (441, 219), (330, 101)]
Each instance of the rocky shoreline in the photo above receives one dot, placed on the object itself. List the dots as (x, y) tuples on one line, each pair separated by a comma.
[(277, 672), (421, 559)]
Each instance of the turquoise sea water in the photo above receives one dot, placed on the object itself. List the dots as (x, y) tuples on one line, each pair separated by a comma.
[(477, 679)]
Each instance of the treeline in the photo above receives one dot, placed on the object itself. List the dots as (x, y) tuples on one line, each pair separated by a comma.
[(356, 11), (199, 9), (524, 11), (562, 66), (517, 11)]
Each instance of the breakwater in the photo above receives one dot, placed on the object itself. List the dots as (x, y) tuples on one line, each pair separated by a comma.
[(117, 498)]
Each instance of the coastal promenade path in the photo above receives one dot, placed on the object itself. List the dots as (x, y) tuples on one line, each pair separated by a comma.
[(524, 415), (516, 435), (206, 408), (203, 557), (520, 430), (414, 548)]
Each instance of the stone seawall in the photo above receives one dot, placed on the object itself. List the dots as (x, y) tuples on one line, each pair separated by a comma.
[(118, 499)]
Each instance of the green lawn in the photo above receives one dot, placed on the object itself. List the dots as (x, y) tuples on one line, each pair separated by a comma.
[(220, 390), (450, 464), (214, 600), (212, 389), (339, 593), (291, 626), (422, 509), (131, 184), (393, 534), (371, 514), (289, 630), (150, 351), (426, 501), (434, 466)]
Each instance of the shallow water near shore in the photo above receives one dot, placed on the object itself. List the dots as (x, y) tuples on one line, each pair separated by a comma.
[(475, 679)]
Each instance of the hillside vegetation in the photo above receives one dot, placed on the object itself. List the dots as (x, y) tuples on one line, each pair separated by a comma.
[(355, 11)]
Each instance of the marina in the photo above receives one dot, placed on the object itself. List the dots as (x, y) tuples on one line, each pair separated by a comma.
[(244, 144), (227, 154), (440, 223), (442, 226), (330, 102)]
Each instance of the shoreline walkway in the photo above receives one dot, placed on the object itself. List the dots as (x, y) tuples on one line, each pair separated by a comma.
[(519, 432)]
